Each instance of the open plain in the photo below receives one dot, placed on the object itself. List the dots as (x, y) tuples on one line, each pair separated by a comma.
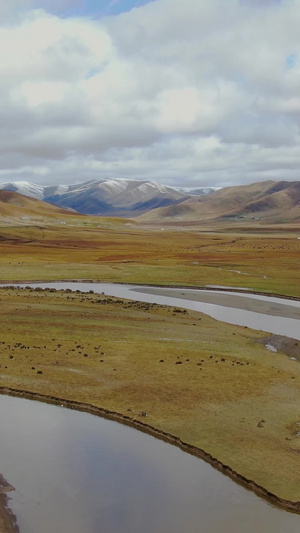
[(119, 250), (211, 385)]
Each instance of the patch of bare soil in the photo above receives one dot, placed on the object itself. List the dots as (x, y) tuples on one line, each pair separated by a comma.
[(290, 347), (8, 521)]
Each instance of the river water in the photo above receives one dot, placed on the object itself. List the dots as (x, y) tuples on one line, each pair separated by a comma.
[(275, 315), (78, 473)]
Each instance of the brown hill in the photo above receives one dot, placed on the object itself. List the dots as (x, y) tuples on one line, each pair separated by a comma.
[(269, 202), (17, 206)]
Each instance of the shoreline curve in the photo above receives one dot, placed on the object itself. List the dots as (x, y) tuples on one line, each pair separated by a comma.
[(154, 285), (288, 505)]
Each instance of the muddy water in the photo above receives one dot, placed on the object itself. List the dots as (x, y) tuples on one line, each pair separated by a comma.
[(78, 473)]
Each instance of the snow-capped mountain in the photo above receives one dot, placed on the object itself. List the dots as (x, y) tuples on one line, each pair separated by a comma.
[(198, 191), (119, 197), (24, 187), (33, 190)]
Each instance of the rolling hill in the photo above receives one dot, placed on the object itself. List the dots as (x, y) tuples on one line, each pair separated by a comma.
[(268, 202), (17, 206)]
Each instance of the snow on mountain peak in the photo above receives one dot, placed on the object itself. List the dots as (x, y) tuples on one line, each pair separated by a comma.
[(115, 186), (123, 197), (26, 188)]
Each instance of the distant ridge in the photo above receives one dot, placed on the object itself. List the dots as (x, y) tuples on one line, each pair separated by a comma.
[(272, 202), (269, 201), (108, 197)]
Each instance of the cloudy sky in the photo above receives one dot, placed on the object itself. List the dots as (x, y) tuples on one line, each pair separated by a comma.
[(190, 93)]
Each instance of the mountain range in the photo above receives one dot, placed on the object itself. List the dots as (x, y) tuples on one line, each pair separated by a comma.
[(129, 198), (268, 202)]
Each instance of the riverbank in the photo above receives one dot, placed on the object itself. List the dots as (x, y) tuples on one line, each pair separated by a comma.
[(150, 430), (8, 521), (204, 385), (231, 299)]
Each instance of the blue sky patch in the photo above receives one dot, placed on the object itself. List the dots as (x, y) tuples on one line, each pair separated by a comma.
[(97, 8), (291, 60)]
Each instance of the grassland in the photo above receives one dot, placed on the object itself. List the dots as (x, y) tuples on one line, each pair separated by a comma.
[(120, 251), (212, 385)]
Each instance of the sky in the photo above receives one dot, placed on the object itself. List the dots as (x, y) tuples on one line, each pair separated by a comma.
[(187, 93)]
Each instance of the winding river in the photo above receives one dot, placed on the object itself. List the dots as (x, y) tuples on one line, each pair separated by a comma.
[(78, 473), (275, 315)]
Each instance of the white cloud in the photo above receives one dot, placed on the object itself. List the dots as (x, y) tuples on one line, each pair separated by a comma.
[(184, 92), (39, 93)]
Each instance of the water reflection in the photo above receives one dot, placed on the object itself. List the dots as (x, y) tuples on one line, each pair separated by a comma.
[(75, 472)]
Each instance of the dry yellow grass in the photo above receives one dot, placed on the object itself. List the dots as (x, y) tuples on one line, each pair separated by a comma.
[(131, 358), (114, 250), (210, 384)]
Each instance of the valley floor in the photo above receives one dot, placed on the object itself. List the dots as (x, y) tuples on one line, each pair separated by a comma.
[(210, 385), (109, 250)]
